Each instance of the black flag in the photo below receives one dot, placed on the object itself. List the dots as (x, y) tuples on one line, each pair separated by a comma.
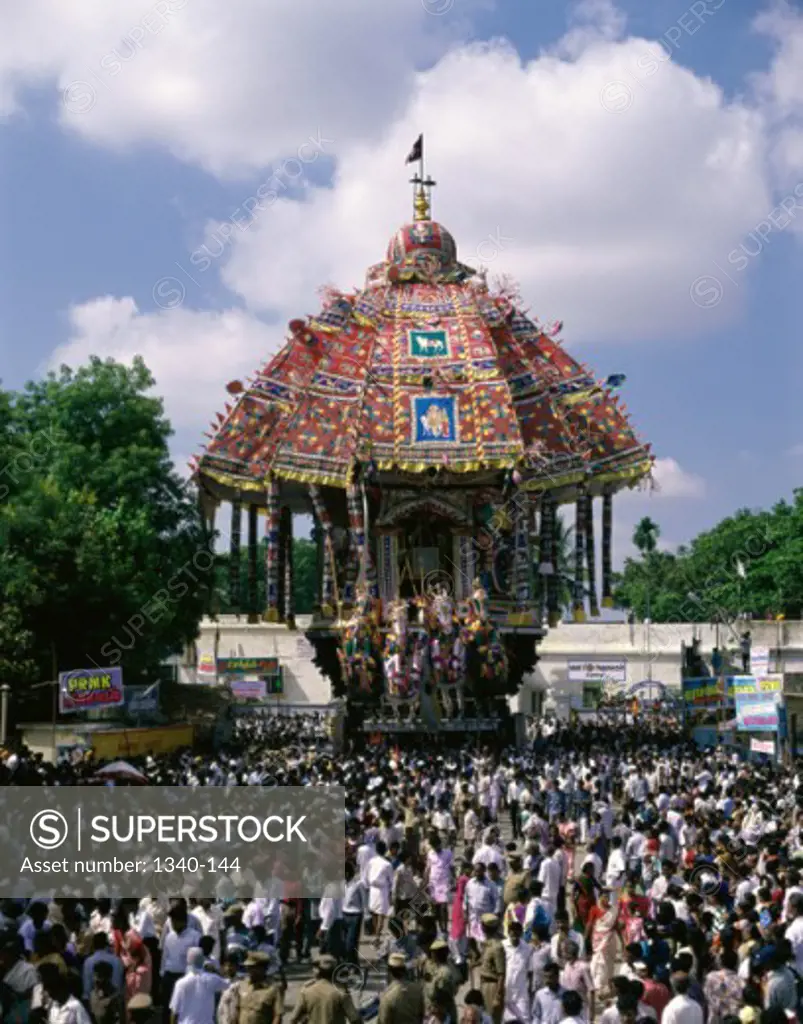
[(417, 151)]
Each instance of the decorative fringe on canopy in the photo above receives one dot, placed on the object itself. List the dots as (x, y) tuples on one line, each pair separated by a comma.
[(235, 594), (327, 570), (591, 556), (272, 551), (253, 593), (579, 533), (607, 531)]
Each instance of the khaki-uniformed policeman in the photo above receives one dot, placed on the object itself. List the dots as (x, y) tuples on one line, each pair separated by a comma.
[(492, 968), (403, 1002), (440, 984), (321, 1001), (261, 1001), (517, 878)]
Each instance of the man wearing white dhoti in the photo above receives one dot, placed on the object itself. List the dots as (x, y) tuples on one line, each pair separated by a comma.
[(518, 974), (480, 898), (380, 884)]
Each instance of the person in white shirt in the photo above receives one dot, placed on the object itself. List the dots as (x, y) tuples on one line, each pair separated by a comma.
[(793, 888), (100, 920), (794, 931), (379, 876), (61, 1006), (331, 910), (193, 998), (682, 1009), (488, 853), (365, 853), (471, 825), (177, 941), (514, 791), (616, 871), (563, 936), (253, 913), (208, 915), (550, 875), (518, 974), (547, 1005)]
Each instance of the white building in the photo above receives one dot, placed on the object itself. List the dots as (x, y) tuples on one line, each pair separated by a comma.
[(573, 658), (232, 636)]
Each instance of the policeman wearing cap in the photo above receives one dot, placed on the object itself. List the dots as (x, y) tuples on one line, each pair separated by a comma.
[(321, 1001), (492, 968), (403, 1002), (517, 878), (440, 984), (261, 1000)]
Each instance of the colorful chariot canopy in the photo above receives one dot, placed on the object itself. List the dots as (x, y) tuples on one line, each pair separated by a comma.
[(425, 370)]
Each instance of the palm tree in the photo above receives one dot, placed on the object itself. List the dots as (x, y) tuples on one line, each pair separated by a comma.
[(564, 557), (645, 536)]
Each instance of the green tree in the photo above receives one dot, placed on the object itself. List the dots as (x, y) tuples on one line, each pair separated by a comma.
[(564, 548), (103, 555), (750, 562), (305, 579), (645, 536)]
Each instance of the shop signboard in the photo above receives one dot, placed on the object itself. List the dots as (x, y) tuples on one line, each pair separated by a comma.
[(88, 689)]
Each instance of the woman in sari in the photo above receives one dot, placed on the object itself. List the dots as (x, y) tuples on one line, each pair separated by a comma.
[(135, 955), (603, 932), (457, 926), (634, 909), (584, 893)]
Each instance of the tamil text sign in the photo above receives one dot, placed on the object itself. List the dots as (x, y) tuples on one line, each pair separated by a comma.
[(614, 671), (88, 689), (247, 666)]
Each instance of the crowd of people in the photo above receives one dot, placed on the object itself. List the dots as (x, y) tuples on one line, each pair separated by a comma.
[(611, 874)]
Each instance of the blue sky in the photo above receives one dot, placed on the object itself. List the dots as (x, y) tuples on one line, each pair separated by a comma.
[(644, 210)]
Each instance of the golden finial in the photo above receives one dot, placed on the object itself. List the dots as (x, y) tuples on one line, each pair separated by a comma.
[(422, 197), (421, 204)]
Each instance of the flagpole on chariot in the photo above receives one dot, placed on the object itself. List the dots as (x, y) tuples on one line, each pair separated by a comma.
[(422, 186)]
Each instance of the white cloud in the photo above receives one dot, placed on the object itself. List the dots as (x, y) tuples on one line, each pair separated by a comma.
[(230, 86), (608, 176), (672, 481), (795, 451), (589, 22), (192, 355), (780, 90), (606, 217)]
